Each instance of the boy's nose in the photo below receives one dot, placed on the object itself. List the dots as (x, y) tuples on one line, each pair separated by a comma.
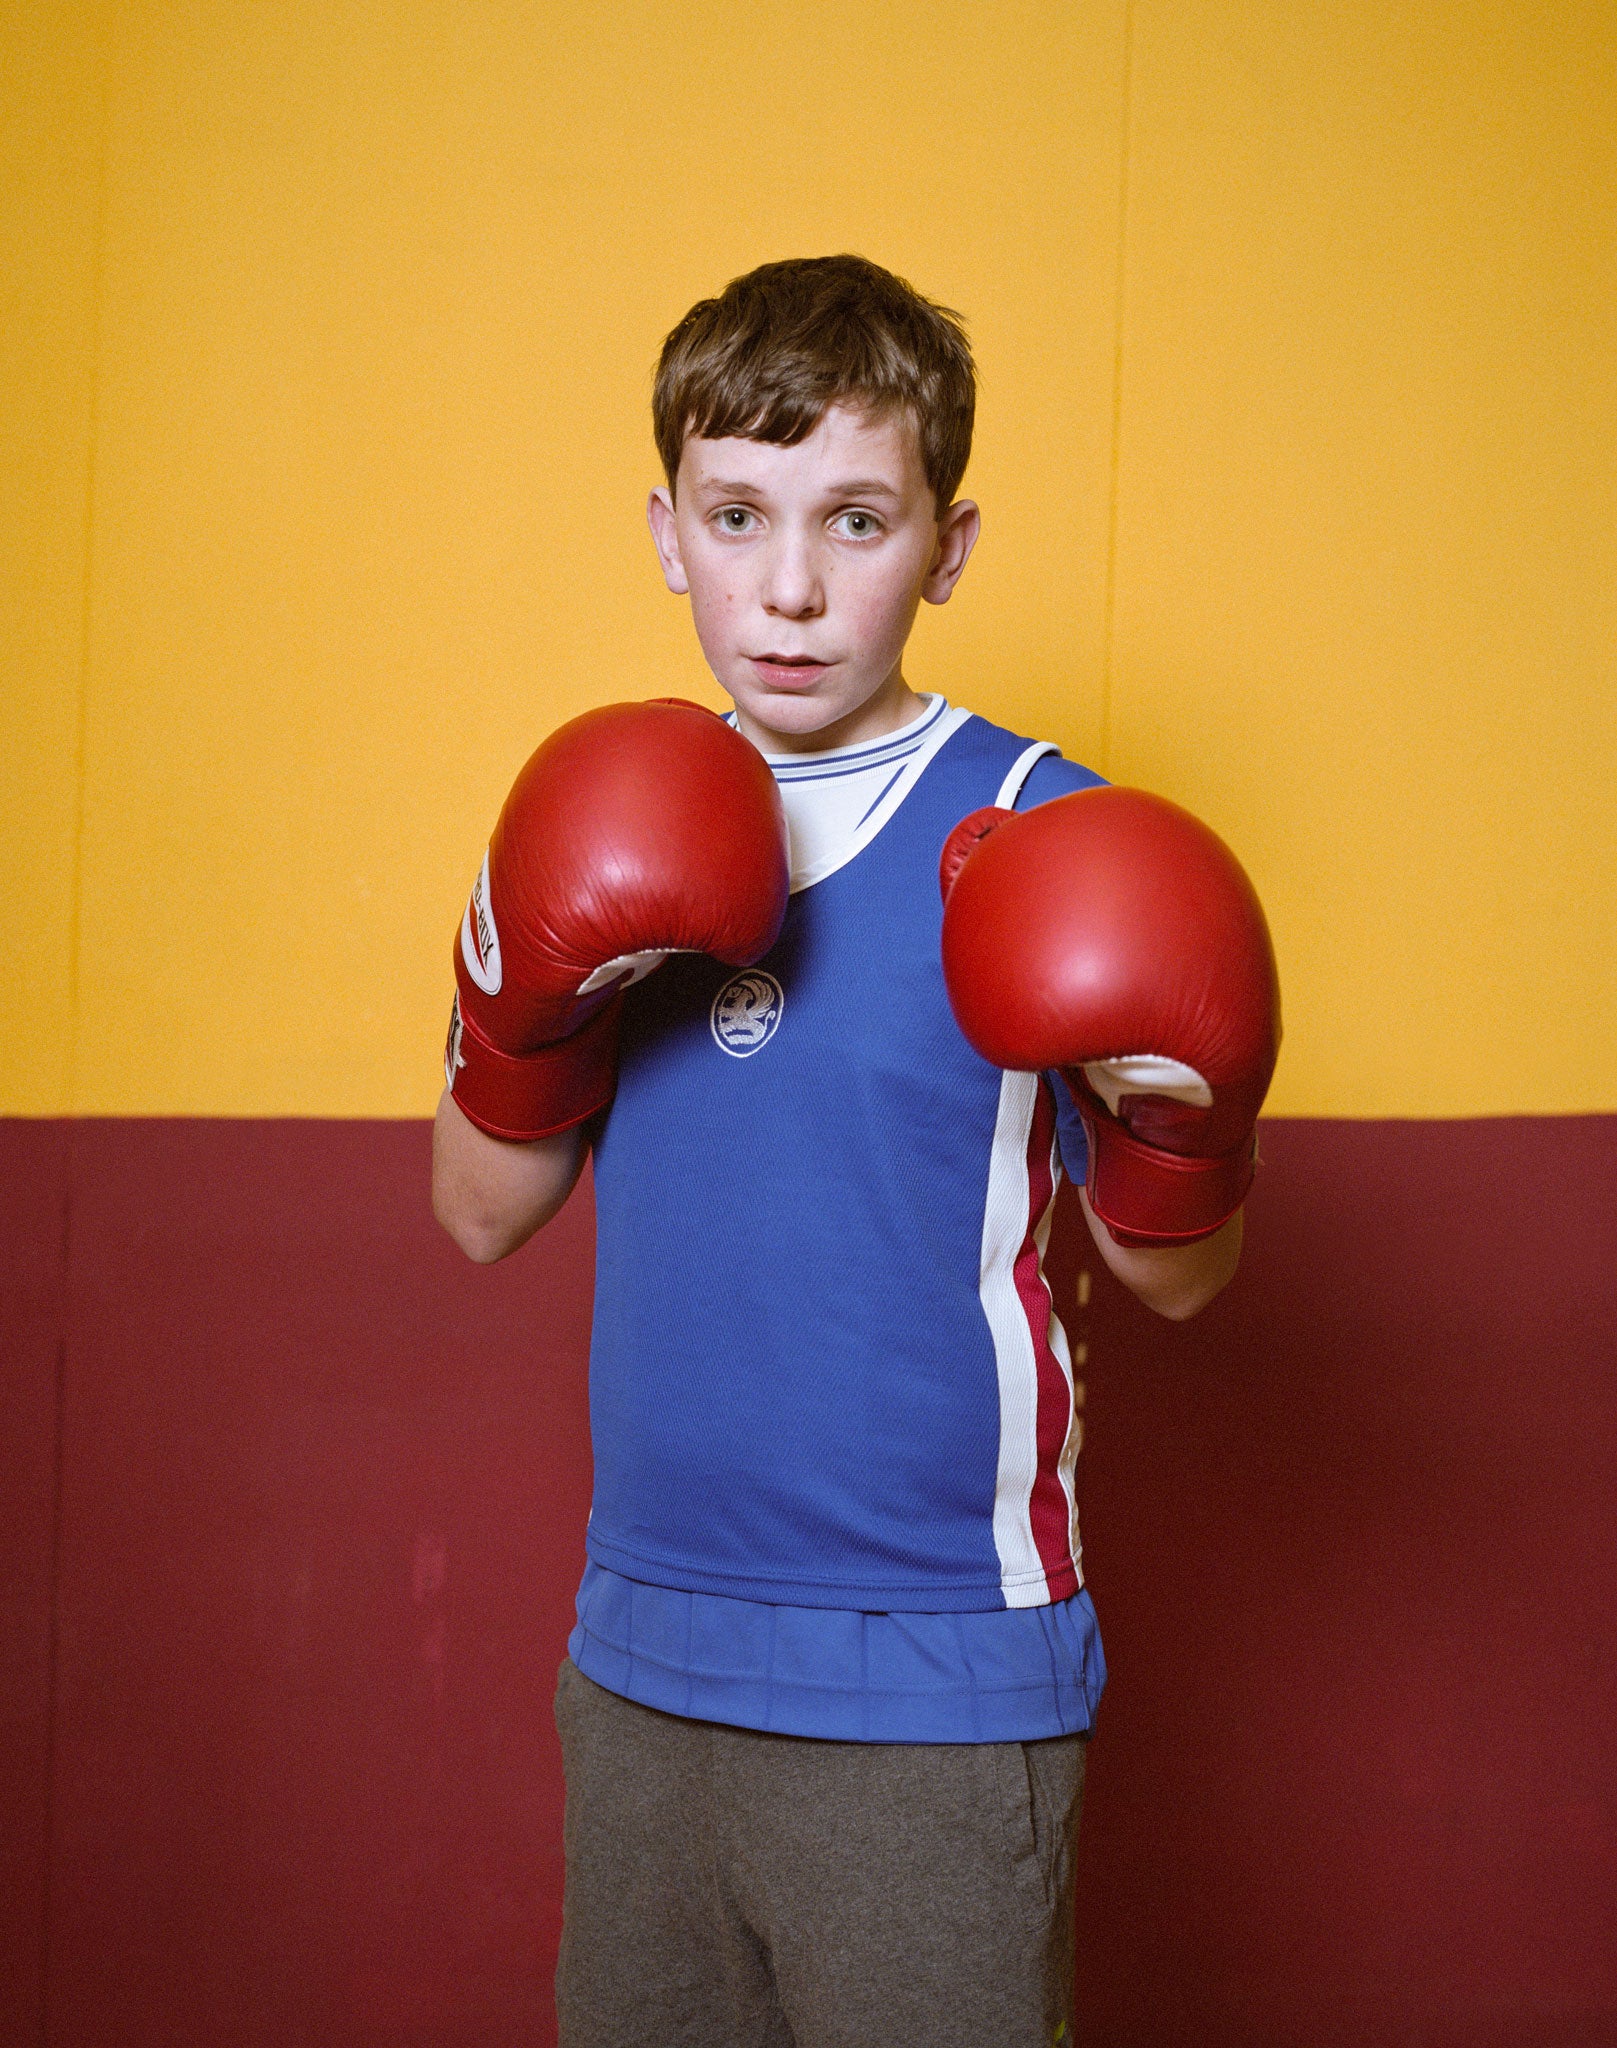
[(792, 583)]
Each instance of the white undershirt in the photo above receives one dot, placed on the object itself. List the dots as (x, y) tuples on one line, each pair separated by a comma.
[(837, 801)]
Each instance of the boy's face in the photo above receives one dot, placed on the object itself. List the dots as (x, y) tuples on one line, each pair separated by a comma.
[(804, 567)]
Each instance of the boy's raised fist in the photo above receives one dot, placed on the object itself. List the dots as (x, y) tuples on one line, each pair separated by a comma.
[(635, 831), (1114, 936)]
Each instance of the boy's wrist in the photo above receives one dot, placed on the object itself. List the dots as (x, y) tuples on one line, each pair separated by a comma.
[(1148, 1196), (536, 1094)]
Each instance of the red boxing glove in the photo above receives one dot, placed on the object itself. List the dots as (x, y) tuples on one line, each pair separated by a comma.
[(636, 831), (1113, 935)]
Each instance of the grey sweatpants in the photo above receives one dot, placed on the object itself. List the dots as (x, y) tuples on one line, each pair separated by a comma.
[(729, 1889)]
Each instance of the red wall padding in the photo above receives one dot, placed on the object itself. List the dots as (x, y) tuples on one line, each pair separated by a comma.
[(33, 1215), (322, 1505), (1353, 1539), (297, 1495)]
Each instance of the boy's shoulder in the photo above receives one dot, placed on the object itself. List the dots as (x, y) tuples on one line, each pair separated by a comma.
[(1039, 780), (1052, 775)]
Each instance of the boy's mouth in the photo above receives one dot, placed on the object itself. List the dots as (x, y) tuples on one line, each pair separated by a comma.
[(787, 671)]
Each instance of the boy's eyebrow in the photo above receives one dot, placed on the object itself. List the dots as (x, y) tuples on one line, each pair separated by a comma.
[(855, 487)]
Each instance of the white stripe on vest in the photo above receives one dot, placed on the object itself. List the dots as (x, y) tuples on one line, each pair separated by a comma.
[(1035, 1367)]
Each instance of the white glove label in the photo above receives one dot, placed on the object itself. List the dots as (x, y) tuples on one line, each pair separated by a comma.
[(479, 937), (635, 965), (452, 1059), (1146, 1073)]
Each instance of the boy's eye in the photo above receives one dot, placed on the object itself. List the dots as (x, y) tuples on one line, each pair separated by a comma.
[(858, 525), (735, 519)]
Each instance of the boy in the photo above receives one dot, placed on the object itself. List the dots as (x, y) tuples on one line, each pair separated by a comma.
[(824, 1709)]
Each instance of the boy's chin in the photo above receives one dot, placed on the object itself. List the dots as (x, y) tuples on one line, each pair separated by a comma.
[(795, 713), (798, 715)]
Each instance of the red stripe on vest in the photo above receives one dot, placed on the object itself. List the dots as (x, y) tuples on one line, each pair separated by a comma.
[(1049, 1511)]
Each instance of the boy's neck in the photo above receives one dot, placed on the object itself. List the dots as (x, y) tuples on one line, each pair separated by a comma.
[(893, 706)]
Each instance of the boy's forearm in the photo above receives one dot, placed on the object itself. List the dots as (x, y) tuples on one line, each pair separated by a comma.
[(1175, 1280), (491, 1195)]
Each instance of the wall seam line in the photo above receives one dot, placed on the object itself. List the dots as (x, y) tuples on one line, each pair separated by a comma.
[(87, 600), (102, 74), (1109, 613)]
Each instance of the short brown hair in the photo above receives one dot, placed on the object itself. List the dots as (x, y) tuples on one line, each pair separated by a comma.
[(766, 357)]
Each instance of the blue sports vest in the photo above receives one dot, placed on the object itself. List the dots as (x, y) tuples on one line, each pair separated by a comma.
[(825, 1371)]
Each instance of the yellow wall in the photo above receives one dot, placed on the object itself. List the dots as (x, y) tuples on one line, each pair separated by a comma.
[(1367, 524), (324, 474), (52, 109)]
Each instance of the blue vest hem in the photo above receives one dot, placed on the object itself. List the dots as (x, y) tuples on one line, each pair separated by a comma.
[(800, 1704), (973, 1596)]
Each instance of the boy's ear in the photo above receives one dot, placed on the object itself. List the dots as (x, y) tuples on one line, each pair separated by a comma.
[(665, 534), (957, 536)]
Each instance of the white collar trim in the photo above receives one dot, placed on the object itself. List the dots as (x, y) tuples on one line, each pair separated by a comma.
[(944, 722)]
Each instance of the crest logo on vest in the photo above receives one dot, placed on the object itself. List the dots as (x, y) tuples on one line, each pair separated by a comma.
[(746, 1013)]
